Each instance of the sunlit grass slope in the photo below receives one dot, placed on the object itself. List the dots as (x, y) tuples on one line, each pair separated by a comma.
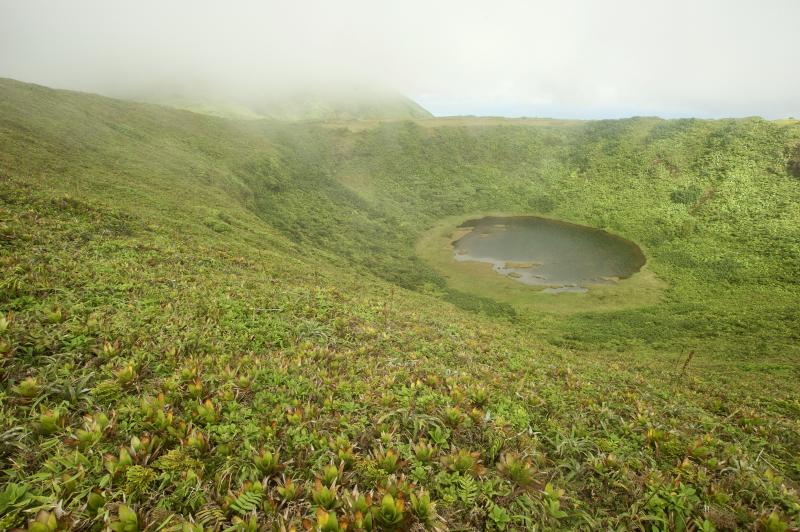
[(213, 324)]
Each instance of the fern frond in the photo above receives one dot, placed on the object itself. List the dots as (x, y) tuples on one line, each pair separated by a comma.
[(468, 490), (246, 502), (211, 516)]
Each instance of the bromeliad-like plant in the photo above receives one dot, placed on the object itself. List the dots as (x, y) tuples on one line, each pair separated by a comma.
[(289, 491), (28, 388), (50, 421), (5, 348), (363, 521), (94, 426), (476, 415), (118, 465), (387, 460), (125, 459), (479, 396), (149, 406), (126, 375), (54, 314), (516, 469), (423, 452), (390, 513), (143, 448), (85, 438), (164, 420), (189, 372), (243, 382), (395, 485), (422, 507), (453, 417), (325, 496), (108, 349), (207, 411), (463, 461), (329, 475), (240, 525), (327, 522), (345, 456), (179, 429), (295, 416), (267, 462), (358, 502), (195, 388), (196, 441)]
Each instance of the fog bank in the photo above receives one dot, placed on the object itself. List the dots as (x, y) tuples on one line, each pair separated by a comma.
[(567, 59)]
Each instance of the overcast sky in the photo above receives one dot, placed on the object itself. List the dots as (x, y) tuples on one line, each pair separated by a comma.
[(573, 58)]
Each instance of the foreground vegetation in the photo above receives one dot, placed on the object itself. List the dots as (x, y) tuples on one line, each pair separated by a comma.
[(219, 324)]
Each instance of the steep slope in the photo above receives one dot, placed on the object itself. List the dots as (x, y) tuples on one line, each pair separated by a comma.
[(201, 325)]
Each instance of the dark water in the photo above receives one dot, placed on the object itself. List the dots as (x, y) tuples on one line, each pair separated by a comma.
[(566, 257)]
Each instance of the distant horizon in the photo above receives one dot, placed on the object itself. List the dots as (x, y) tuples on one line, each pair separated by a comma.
[(444, 110), (504, 110)]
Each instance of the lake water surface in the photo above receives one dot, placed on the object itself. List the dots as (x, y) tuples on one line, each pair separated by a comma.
[(564, 257)]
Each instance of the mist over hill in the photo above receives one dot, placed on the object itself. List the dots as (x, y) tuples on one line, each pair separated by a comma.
[(299, 103)]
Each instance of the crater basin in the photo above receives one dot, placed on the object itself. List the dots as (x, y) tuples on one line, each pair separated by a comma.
[(562, 256)]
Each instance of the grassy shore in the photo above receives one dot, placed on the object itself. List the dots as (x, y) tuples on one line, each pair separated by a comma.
[(435, 247)]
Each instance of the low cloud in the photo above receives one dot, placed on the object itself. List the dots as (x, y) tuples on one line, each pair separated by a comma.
[(566, 59)]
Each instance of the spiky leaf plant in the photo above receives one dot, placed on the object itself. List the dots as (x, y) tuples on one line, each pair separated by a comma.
[(50, 421), (387, 460), (423, 452), (126, 375), (289, 491), (453, 417), (329, 475), (325, 496), (28, 388), (480, 396), (267, 462), (390, 512), (464, 461), (516, 469), (327, 522), (422, 507)]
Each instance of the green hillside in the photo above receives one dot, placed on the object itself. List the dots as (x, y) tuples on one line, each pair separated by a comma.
[(208, 323)]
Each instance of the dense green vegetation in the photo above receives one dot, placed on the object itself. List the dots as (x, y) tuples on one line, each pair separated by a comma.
[(213, 323)]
